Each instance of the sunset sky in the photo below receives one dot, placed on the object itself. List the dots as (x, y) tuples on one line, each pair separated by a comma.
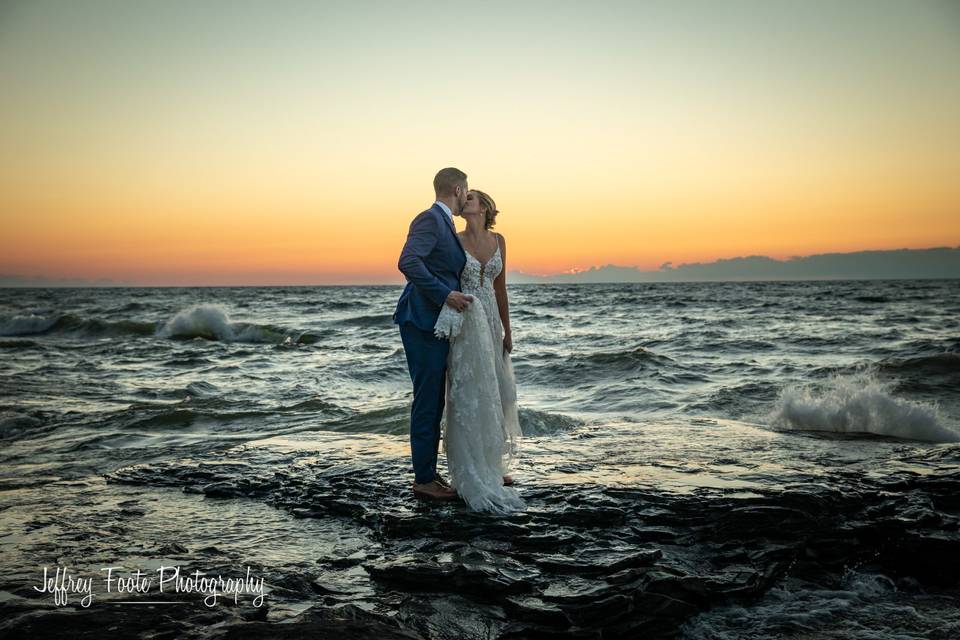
[(293, 142)]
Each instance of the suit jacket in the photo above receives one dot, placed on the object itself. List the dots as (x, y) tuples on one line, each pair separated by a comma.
[(432, 260)]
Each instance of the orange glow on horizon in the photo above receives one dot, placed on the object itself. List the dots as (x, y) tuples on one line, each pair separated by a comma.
[(170, 150)]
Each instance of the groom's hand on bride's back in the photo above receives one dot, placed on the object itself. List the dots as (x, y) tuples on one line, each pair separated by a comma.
[(458, 300)]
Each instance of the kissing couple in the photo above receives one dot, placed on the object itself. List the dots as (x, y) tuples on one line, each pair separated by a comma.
[(455, 326)]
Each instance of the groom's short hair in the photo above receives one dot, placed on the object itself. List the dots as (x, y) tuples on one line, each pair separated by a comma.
[(447, 180)]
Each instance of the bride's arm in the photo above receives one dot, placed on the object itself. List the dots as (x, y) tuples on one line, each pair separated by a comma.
[(500, 287)]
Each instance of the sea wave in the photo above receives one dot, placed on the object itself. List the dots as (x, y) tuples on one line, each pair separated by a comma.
[(858, 403), (13, 424), (34, 324), (212, 322), (939, 364), (590, 366), (17, 344), (860, 605), (199, 321), (541, 423), (626, 360), (26, 324), (928, 374), (736, 400), (378, 320), (395, 420)]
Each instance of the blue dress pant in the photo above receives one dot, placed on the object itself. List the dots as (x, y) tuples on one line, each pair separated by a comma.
[(427, 363)]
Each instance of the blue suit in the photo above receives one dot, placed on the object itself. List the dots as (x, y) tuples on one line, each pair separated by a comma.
[(432, 259)]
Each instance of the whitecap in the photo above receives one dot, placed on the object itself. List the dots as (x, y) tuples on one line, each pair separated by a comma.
[(202, 320), (22, 325), (858, 403)]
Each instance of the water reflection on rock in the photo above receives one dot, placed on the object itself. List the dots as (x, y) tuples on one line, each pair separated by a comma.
[(646, 532)]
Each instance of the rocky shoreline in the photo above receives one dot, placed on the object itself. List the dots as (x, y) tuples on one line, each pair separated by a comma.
[(592, 557)]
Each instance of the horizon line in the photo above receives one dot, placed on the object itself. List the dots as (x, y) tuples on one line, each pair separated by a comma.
[(515, 284), (668, 268)]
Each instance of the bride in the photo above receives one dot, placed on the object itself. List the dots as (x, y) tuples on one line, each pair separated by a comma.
[(481, 427)]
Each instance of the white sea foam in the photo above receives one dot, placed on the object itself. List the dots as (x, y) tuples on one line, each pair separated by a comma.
[(202, 320), (865, 607), (213, 323), (858, 403), (22, 325)]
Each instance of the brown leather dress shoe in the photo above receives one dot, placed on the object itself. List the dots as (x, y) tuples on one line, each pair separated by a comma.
[(440, 480), (507, 481), (433, 491)]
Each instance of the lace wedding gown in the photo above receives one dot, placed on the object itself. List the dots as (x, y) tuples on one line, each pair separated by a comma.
[(480, 426)]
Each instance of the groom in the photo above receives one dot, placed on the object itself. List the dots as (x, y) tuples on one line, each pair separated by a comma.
[(432, 259)]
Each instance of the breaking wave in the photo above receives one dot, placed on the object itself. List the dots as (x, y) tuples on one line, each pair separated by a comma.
[(858, 403), (211, 322), (199, 321)]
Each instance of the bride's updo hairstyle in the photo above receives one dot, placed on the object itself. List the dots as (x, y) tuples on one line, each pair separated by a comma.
[(490, 215)]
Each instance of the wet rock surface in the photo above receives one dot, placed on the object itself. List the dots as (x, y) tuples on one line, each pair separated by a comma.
[(610, 551)]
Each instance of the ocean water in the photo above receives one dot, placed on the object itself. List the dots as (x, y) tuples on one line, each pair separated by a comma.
[(139, 424)]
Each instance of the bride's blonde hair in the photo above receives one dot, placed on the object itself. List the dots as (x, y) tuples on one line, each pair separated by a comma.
[(490, 215)]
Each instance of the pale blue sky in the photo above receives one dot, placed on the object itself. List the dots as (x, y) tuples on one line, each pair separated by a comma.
[(689, 124)]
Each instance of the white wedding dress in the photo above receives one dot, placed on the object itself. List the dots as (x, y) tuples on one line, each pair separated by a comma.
[(480, 426)]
